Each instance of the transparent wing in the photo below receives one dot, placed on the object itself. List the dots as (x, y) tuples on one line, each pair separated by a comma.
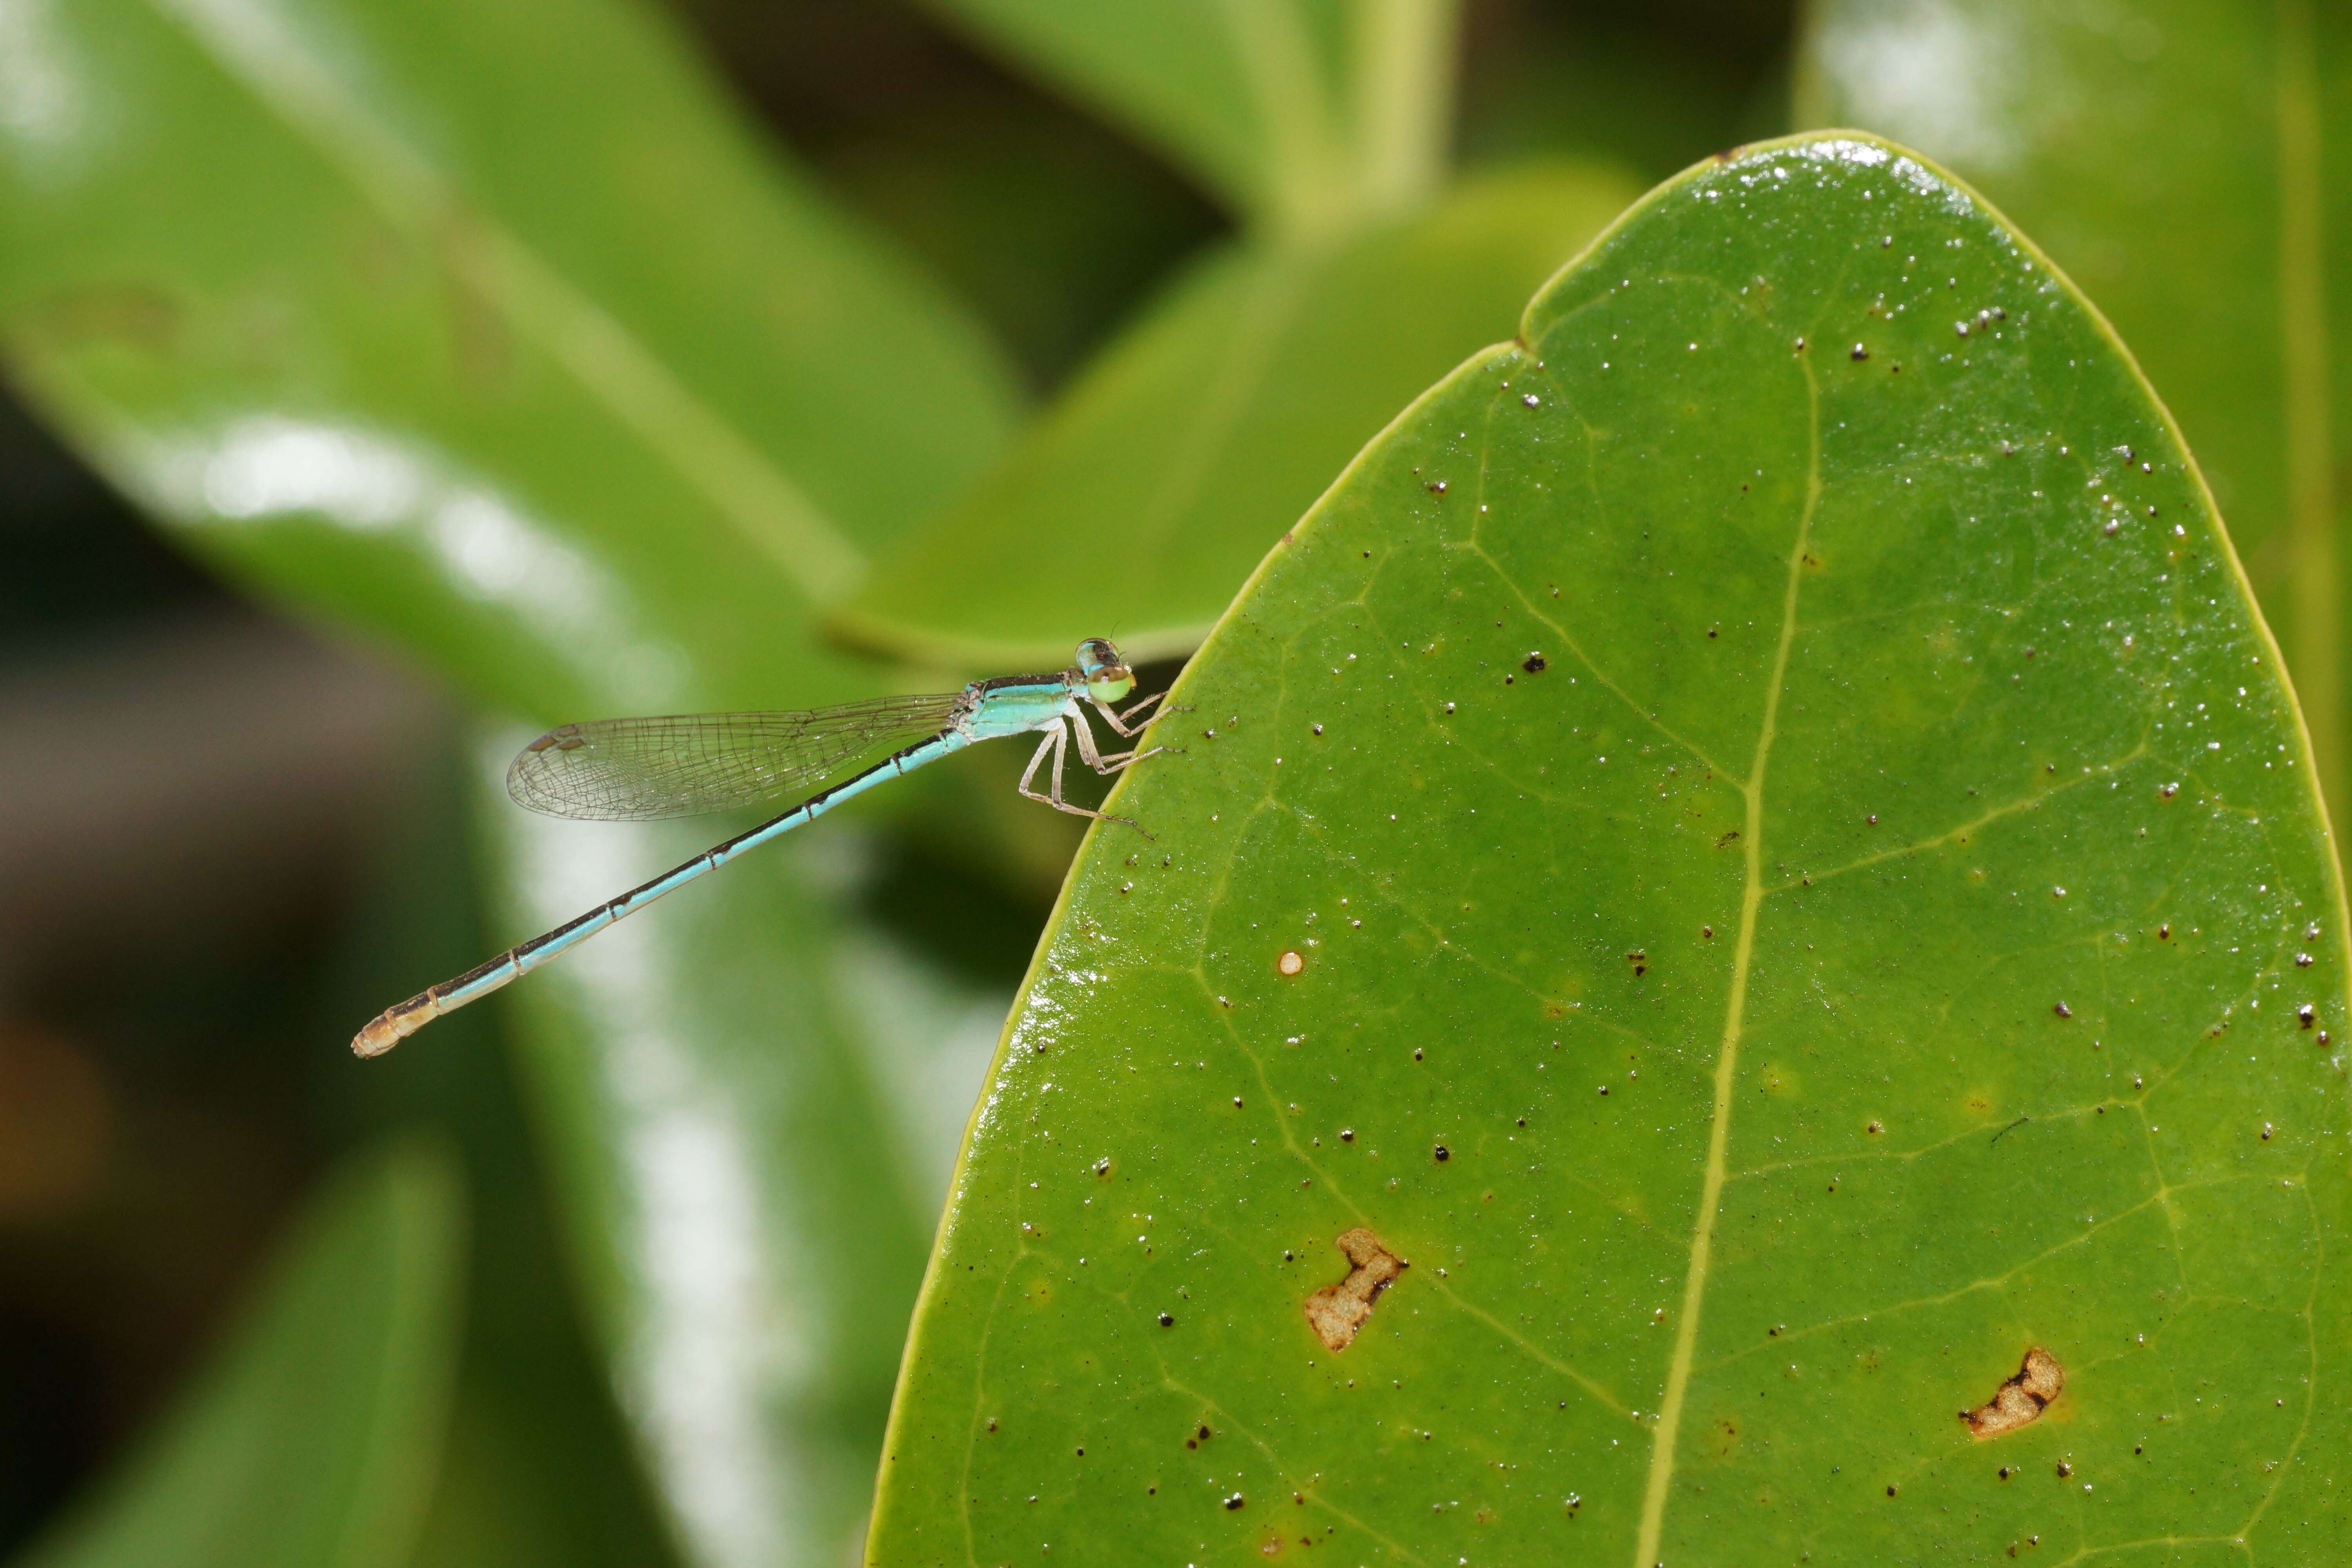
[(629, 769)]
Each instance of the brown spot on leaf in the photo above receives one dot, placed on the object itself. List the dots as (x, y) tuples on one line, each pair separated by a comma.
[(1337, 1312), (2021, 1399)]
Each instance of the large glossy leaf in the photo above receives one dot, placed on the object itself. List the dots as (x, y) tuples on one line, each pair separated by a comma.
[(310, 1439), (750, 1102), (521, 352), (1303, 113), (1756, 842), (2176, 157), (1140, 502)]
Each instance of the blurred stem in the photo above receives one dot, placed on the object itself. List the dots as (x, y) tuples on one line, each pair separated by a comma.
[(1404, 70), (2315, 658), (1308, 195), (1371, 147)]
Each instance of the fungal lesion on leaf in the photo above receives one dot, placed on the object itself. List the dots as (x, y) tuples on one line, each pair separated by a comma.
[(2021, 1401), (1337, 1312)]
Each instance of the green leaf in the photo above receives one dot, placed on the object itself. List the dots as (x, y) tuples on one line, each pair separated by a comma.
[(1305, 114), (2172, 160), (752, 1099), (310, 1439), (1140, 502), (526, 355), (1863, 946)]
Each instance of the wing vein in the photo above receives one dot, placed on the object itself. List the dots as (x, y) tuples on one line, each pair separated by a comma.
[(636, 770)]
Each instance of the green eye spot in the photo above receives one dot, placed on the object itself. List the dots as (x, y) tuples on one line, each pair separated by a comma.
[(1105, 671)]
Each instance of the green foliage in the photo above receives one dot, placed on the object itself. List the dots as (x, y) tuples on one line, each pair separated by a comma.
[(537, 1466), (548, 397), (585, 408), (1213, 423), (1304, 113), (1756, 841), (313, 1435), (2174, 160), (489, 331)]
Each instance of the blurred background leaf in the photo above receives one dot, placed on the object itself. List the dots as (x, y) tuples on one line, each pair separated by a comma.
[(587, 407), (1202, 430), (1305, 114), (2173, 155), (1206, 429), (750, 1104), (584, 408), (539, 1465), (314, 1433)]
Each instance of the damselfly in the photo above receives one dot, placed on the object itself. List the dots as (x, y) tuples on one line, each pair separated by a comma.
[(630, 770)]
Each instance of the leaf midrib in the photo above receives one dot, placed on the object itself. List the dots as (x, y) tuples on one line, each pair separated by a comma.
[(1678, 1368)]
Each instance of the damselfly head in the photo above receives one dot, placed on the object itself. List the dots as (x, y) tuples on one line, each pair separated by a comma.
[(1104, 671)]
